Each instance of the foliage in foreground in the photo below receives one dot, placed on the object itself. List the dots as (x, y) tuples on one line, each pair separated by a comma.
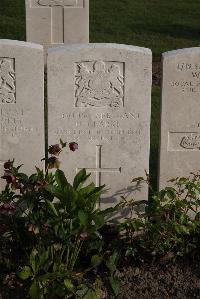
[(54, 229), (54, 244), (169, 225)]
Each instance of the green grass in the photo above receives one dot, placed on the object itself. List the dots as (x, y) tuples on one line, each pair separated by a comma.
[(161, 25)]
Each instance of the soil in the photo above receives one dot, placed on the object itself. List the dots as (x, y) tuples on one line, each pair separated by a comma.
[(172, 280)]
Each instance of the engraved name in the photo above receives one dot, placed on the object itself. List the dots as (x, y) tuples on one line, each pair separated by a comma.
[(185, 67), (12, 122)]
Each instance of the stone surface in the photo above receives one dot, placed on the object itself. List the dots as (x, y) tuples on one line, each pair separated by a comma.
[(180, 120), (54, 22), (99, 96), (21, 104)]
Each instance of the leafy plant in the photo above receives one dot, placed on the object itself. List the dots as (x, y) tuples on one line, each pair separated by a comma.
[(169, 224), (53, 224)]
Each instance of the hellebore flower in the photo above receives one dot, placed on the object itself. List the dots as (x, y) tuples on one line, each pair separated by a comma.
[(9, 177), (84, 236), (7, 209), (73, 146), (12, 282), (53, 162), (2, 228), (40, 185), (8, 164), (55, 150), (33, 229)]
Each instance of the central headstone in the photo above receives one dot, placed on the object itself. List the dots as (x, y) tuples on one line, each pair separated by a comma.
[(21, 104), (55, 22), (180, 122), (99, 96)]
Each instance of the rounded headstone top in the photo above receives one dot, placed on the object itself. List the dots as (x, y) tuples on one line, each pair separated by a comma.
[(20, 44), (181, 51), (78, 47)]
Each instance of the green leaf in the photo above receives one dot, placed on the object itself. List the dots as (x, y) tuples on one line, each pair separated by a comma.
[(25, 273), (80, 178), (34, 291), (82, 290), (23, 177), (115, 284), (63, 144), (91, 294), (44, 257), (99, 220), (87, 190), (138, 179), (96, 260), (97, 190), (33, 255), (112, 262), (68, 284), (83, 217), (60, 178), (52, 207)]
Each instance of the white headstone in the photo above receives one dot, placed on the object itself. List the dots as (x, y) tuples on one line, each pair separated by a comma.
[(21, 104), (180, 121), (99, 96), (54, 22)]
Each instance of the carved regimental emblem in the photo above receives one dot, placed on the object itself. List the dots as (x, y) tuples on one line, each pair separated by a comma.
[(99, 84), (57, 3), (7, 81), (191, 141)]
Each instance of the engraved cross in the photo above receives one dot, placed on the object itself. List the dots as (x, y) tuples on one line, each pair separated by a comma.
[(57, 17), (99, 169)]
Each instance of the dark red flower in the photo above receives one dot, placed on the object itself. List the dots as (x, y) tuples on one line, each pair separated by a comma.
[(2, 228), (40, 185), (53, 162), (46, 227), (7, 209), (11, 281), (33, 228), (8, 164), (55, 150), (9, 177), (84, 236), (73, 146)]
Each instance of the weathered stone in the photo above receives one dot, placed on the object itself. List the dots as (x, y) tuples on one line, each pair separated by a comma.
[(180, 121), (21, 104), (54, 22), (99, 96)]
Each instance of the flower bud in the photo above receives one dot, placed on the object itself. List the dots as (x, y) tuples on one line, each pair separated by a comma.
[(54, 150), (73, 146), (9, 177)]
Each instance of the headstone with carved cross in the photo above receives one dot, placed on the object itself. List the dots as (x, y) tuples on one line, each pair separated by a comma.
[(55, 22), (99, 96), (180, 121), (21, 104)]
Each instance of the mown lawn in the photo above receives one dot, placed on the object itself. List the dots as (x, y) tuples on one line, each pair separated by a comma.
[(161, 25)]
